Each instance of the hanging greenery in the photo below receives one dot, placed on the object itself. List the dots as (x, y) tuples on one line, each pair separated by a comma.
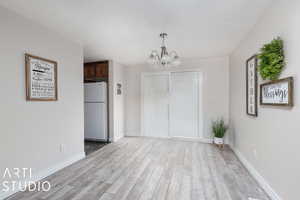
[(271, 59)]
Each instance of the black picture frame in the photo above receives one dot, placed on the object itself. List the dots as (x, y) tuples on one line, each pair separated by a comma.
[(251, 86)]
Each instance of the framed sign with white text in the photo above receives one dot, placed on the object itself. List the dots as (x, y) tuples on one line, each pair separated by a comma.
[(41, 79)]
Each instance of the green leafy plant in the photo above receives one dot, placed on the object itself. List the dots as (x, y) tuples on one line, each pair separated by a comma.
[(271, 59), (219, 128)]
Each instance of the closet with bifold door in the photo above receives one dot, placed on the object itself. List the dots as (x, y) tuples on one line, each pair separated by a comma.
[(171, 104)]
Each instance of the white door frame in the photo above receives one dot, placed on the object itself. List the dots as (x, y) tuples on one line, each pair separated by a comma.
[(200, 103)]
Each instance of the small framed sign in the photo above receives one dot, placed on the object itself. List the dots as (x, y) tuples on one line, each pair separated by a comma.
[(251, 84), (277, 93), (41, 79), (119, 88)]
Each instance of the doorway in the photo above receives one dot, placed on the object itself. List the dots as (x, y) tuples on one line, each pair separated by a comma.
[(96, 105), (171, 104)]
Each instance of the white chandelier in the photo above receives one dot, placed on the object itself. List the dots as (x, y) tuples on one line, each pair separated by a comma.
[(164, 58)]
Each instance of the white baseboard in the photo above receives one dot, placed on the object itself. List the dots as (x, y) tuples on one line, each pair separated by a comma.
[(203, 140), (259, 178), (132, 134), (115, 139), (47, 172)]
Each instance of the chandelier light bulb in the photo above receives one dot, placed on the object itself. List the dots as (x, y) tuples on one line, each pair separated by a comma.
[(176, 61), (166, 58)]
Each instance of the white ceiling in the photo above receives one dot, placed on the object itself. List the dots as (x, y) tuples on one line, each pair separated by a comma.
[(127, 30)]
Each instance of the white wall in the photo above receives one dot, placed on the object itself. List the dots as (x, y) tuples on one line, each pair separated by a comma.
[(116, 102), (215, 92), (32, 132), (274, 134)]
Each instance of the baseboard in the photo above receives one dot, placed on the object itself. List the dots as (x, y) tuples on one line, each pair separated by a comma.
[(132, 134), (47, 172), (259, 178), (203, 140), (115, 139)]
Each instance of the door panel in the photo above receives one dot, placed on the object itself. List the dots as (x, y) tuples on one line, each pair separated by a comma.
[(95, 121), (95, 92), (156, 105), (101, 70), (184, 104)]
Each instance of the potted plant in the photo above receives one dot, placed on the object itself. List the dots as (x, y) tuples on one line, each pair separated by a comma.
[(219, 129)]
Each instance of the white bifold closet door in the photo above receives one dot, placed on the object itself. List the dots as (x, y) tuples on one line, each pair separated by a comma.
[(155, 105), (184, 104), (171, 105)]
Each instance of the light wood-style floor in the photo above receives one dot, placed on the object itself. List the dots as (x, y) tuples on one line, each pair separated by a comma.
[(92, 146), (153, 169)]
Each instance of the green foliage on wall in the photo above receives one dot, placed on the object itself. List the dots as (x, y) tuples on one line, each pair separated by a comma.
[(271, 59)]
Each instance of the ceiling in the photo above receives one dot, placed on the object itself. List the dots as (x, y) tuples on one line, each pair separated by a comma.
[(127, 30)]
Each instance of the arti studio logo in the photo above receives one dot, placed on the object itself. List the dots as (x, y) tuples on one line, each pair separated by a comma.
[(16, 179)]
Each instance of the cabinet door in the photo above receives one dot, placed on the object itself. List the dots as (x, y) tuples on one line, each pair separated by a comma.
[(105, 70), (101, 70), (89, 71)]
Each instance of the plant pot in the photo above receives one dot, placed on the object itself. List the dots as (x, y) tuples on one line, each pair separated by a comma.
[(218, 140)]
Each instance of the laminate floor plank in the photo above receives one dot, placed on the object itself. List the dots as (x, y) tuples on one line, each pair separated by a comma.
[(139, 168)]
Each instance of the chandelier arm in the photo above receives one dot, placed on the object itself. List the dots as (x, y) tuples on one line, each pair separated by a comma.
[(173, 52)]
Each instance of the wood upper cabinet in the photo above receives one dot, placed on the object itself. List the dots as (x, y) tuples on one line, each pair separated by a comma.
[(96, 70), (89, 71), (101, 70)]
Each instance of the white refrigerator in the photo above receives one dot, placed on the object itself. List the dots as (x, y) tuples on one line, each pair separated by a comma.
[(95, 111)]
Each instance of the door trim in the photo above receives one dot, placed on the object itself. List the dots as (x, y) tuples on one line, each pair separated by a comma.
[(200, 103)]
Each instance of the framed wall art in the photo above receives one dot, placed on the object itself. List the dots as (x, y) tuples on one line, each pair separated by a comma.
[(119, 88), (251, 84), (277, 93), (41, 79)]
